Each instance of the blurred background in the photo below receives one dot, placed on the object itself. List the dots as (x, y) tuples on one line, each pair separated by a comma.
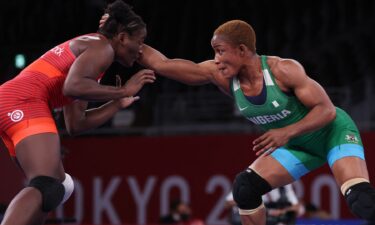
[(334, 40), (188, 142)]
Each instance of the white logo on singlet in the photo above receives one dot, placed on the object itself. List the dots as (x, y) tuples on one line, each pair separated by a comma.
[(275, 104), (16, 115), (351, 138), (57, 50), (242, 109)]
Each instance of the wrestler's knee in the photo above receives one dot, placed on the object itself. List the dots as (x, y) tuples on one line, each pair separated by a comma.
[(361, 200), (248, 189), (53, 191)]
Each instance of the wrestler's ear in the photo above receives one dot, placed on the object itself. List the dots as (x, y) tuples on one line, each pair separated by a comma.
[(123, 37), (242, 49)]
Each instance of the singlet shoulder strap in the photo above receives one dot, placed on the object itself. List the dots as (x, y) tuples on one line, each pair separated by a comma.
[(268, 76)]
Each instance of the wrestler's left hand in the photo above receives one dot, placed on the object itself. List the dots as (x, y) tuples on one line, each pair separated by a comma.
[(270, 141)]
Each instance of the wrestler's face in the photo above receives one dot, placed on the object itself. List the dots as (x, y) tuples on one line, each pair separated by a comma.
[(227, 56), (131, 47)]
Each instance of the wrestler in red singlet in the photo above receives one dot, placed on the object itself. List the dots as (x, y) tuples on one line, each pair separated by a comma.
[(69, 70), (27, 100)]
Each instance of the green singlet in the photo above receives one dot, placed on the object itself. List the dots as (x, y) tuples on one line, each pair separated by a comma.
[(311, 149)]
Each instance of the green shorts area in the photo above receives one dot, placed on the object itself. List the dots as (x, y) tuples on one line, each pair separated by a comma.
[(337, 140)]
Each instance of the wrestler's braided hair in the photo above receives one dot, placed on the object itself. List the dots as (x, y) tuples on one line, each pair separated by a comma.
[(121, 19)]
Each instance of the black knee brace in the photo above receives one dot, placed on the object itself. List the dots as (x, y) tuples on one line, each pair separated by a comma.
[(248, 189), (52, 191), (361, 200)]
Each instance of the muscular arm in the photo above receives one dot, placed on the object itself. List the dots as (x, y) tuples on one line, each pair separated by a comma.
[(78, 119), (310, 93), (81, 80), (181, 70)]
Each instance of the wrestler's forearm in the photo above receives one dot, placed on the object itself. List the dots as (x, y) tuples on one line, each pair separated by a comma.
[(98, 116), (181, 70), (93, 118), (90, 90), (318, 117)]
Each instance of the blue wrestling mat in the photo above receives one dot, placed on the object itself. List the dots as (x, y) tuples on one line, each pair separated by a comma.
[(331, 222)]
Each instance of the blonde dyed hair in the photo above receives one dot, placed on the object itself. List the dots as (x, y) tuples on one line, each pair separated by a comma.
[(238, 32)]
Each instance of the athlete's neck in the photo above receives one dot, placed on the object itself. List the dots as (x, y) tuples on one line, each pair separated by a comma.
[(251, 72)]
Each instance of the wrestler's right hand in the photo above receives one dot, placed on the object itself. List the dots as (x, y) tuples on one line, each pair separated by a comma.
[(126, 101), (136, 82)]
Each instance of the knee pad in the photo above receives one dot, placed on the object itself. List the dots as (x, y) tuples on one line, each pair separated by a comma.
[(248, 189), (52, 191), (361, 200), (68, 186)]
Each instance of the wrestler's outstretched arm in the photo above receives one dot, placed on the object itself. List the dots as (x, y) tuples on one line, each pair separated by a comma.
[(181, 70)]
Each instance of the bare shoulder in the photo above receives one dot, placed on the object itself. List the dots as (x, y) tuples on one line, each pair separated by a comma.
[(207, 69), (209, 66), (95, 43), (287, 71), (211, 69), (216, 77), (282, 66), (94, 54)]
